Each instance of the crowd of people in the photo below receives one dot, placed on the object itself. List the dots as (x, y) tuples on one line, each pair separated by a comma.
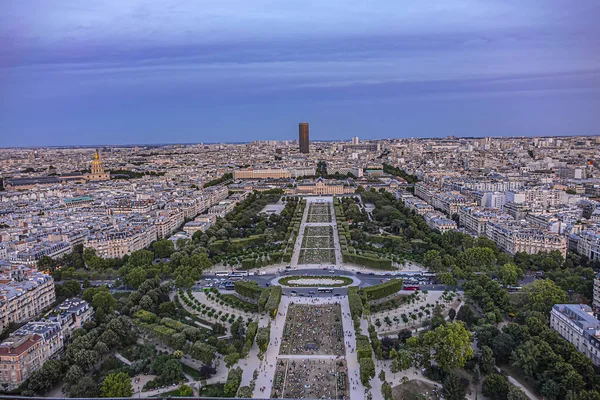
[(313, 330), (312, 379)]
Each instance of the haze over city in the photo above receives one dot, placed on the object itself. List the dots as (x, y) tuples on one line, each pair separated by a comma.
[(117, 72)]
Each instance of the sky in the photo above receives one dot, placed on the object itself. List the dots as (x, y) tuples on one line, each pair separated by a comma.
[(92, 72)]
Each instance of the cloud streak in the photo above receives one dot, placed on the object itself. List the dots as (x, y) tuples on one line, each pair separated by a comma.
[(266, 52)]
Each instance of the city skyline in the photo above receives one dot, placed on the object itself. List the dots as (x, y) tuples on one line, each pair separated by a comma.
[(127, 72)]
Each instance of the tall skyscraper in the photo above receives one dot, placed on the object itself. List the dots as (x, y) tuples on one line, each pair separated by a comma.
[(303, 137)]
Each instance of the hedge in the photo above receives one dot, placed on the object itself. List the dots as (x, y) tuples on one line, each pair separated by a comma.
[(234, 379), (249, 289), (380, 291), (363, 347), (262, 300), (263, 337), (274, 299), (233, 245), (356, 304), (251, 332), (370, 262)]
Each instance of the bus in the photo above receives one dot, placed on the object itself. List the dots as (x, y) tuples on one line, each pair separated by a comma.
[(324, 290), (410, 287), (221, 273), (240, 273), (235, 276)]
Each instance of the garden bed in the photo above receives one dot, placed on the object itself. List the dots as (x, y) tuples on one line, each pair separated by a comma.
[(316, 256), (315, 281)]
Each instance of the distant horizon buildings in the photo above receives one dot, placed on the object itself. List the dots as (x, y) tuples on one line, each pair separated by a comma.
[(303, 138)]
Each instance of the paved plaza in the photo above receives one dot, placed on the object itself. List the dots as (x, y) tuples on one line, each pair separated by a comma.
[(311, 379), (313, 330)]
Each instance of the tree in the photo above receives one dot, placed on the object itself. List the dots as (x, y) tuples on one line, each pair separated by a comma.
[(136, 277), (451, 343), (104, 301), (526, 357), (453, 387), (487, 360), (446, 278), (185, 390), (514, 393), (231, 359), (203, 352), (542, 294), (386, 391), (510, 274), (140, 258), (452, 314), (476, 379), (367, 370), (171, 370), (382, 376), (84, 387), (116, 385), (495, 387), (163, 248)]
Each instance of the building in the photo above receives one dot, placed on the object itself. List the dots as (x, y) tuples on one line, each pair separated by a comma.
[(475, 219), (596, 303), (72, 314), (121, 241), (323, 187), (30, 346), (266, 173), (362, 146), (97, 170), (24, 294), (438, 221), (303, 137), (51, 333), (514, 237), (576, 323), (20, 356)]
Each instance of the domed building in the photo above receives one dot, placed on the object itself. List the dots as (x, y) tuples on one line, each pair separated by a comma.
[(97, 170)]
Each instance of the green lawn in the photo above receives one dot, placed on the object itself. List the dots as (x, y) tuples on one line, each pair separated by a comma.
[(284, 281)]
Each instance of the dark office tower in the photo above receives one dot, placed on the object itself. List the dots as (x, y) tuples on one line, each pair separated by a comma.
[(304, 142)]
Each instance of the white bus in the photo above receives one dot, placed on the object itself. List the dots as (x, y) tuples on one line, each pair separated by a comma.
[(221, 273)]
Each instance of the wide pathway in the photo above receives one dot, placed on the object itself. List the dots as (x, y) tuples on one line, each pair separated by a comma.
[(304, 223)]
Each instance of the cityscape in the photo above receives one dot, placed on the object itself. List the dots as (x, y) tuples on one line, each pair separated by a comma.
[(362, 269), (331, 200)]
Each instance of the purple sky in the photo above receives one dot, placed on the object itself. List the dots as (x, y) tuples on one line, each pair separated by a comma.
[(163, 71)]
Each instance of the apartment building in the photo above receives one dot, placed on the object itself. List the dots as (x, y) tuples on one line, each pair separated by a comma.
[(20, 356), (24, 294), (438, 221), (32, 253), (215, 194), (72, 314), (417, 205), (576, 323), (475, 219), (222, 209), (51, 333), (596, 302), (122, 241), (168, 221), (514, 237), (538, 198), (30, 346), (266, 173), (588, 243)]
